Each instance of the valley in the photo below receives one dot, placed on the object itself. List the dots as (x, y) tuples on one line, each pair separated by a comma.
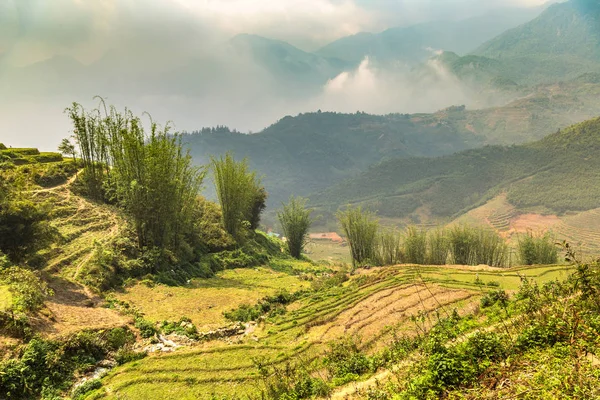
[(334, 200)]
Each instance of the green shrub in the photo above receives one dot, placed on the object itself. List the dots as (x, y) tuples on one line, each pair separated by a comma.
[(147, 328), (360, 228), (183, 327), (119, 337), (495, 297), (47, 367), (438, 247), (390, 248), (269, 305), (33, 233), (125, 355), (345, 358), (28, 291), (295, 221), (86, 387)]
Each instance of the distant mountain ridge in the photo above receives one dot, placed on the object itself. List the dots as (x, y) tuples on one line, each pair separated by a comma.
[(417, 43), (562, 43)]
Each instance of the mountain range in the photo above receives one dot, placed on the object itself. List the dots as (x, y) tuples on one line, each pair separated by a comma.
[(310, 152)]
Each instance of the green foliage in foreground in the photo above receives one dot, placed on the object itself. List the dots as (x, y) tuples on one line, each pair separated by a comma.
[(462, 357), (45, 368), (295, 221)]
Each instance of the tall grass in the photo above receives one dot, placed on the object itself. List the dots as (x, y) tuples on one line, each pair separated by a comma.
[(537, 249), (390, 248), (491, 249), (438, 247), (415, 246), (360, 228), (295, 221), (462, 245), (472, 246), (239, 193)]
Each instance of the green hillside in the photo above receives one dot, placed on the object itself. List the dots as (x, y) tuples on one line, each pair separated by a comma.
[(313, 151), (557, 174), (562, 43)]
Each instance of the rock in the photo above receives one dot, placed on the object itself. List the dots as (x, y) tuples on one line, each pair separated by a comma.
[(107, 364)]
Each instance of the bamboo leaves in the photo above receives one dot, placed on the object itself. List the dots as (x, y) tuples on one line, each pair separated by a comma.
[(240, 194), (147, 174), (295, 221)]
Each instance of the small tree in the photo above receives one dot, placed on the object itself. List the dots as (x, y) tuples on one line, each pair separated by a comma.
[(67, 148), (259, 203), (240, 194), (295, 221), (360, 228)]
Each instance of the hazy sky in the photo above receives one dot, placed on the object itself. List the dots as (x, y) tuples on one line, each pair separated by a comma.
[(158, 36), (33, 29)]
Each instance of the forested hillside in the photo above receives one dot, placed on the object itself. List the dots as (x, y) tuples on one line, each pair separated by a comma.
[(556, 174), (562, 43), (310, 152)]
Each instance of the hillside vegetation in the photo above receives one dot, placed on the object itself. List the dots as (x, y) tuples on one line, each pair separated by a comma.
[(562, 43), (556, 174), (291, 153)]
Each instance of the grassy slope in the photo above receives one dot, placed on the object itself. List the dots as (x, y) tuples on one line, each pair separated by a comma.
[(366, 306), (81, 225)]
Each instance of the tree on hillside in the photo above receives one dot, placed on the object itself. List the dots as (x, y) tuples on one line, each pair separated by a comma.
[(360, 228), (295, 221), (147, 173), (240, 194), (91, 140), (259, 203), (67, 148)]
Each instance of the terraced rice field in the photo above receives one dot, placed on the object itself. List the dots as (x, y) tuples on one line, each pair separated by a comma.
[(580, 230), (82, 225), (373, 305)]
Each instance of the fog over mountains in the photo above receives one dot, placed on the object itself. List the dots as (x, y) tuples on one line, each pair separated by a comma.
[(225, 63)]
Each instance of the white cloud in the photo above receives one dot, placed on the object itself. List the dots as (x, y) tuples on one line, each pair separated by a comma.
[(388, 91)]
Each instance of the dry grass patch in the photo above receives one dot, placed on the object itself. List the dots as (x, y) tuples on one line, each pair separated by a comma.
[(73, 308), (5, 298), (204, 301)]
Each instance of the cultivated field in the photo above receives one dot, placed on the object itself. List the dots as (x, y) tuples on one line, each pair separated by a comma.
[(374, 305)]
